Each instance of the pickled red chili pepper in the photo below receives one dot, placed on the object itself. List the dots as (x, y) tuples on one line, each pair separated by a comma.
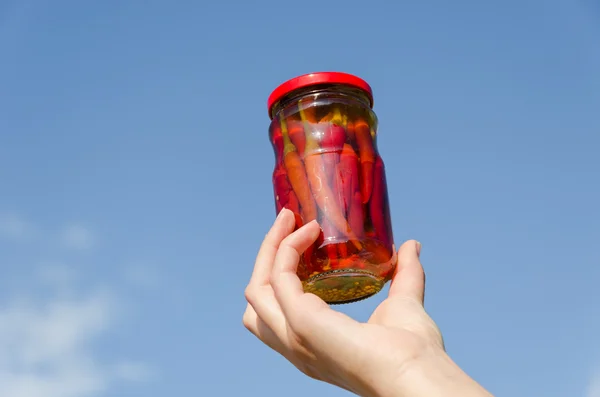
[(322, 192), (357, 209), (347, 169), (331, 135), (329, 233), (343, 250), (352, 196), (334, 137), (380, 253), (294, 206), (338, 183), (282, 188), (296, 133), (356, 214), (297, 176), (378, 205), (277, 141), (325, 198), (350, 131), (366, 152), (284, 194), (333, 142)]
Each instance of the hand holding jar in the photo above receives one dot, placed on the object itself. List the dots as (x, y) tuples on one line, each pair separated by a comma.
[(399, 352)]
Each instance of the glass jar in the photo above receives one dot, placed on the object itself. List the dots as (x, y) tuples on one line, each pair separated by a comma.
[(327, 167)]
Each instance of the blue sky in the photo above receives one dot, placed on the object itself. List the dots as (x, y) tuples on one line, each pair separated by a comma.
[(135, 185)]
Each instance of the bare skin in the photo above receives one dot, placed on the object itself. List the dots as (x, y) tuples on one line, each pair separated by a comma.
[(399, 352)]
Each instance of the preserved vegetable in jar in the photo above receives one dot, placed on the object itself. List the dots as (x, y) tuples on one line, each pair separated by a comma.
[(327, 168)]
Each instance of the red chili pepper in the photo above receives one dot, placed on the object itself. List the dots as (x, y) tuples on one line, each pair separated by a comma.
[(330, 161), (349, 179), (380, 253), (277, 140), (356, 215), (347, 170), (282, 188), (341, 190), (322, 192), (329, 237), (350, 131), (334, 137), (378, 206), (343, 249), (332, 144), (296, 133), (367, 157), (333, 132), (297, 176), (294, 206)]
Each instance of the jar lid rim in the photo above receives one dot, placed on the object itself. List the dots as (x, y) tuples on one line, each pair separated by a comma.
[(310, 79)]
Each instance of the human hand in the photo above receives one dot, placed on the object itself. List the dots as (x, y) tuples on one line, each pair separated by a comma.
[(373, 359)]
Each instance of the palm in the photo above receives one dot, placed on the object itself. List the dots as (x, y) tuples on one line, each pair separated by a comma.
[(407, 320)]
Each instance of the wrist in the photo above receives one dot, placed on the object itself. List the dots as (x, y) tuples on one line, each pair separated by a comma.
[(433, 374)]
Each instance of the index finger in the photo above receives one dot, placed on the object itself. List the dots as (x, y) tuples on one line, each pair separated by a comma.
[(282, 227), (284, 280)]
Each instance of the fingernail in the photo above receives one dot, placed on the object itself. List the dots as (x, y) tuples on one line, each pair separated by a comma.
[(280, 215), (418, 247), (311, 222)]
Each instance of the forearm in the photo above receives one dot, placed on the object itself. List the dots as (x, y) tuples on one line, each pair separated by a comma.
[(434, 375)]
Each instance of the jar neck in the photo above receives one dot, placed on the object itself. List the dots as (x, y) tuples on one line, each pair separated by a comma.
[(334, 92)]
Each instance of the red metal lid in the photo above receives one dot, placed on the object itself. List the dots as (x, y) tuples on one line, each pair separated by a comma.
[(315, 79)]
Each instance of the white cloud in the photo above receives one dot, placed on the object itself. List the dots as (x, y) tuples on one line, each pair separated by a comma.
[(48, 340), (77, 237), (594, 386), (44, 347), (14, 227)]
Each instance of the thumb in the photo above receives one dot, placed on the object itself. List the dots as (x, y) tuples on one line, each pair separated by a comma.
[(409, 278)]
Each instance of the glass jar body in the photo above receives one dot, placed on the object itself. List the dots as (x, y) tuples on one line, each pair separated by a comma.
[(328, 168)]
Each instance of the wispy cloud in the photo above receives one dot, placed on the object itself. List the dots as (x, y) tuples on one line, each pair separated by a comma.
[(48, 340), (77, 237), (44, 347)]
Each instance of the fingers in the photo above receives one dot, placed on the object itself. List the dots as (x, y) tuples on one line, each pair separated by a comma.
[(409, 279), (261, 330), (258, 327), (283, 225), (259, 293), (284, 317), (285, 282), (264, 316)]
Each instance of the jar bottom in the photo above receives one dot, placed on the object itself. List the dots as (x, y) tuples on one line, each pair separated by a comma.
[(344, 285)]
